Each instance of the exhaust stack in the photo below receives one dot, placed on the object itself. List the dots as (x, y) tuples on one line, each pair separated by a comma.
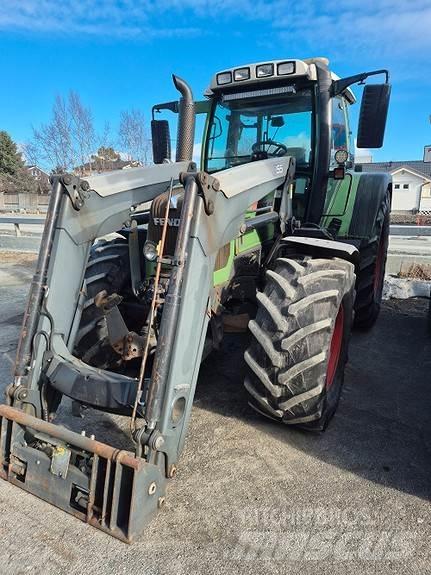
[(186, 121)]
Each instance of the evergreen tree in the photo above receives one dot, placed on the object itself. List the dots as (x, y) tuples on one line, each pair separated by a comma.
[(10, 159), (14, 176)]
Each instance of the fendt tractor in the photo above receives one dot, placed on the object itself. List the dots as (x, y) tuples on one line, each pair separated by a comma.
[(138, 270)]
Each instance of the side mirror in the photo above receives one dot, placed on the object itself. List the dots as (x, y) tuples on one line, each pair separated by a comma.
[(161, 140), (373, 114)]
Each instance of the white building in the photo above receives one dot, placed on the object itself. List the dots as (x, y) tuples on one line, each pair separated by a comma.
[(411, 184)]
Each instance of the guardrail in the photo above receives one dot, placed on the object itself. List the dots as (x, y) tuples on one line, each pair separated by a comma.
[(18, 220), (22, 220)]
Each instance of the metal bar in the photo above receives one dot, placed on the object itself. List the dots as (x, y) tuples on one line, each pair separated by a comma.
[(171, 307), (261, 220), (22, 220), (80, 441), (319, 182), (92, 489), (106, 492), (37, 287), (115, 499)]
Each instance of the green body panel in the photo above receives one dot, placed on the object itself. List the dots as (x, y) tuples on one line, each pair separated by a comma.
[(241, 245), (244, 243), (341, 201)]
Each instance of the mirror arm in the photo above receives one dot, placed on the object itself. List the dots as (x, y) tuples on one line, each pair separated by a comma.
[(338, 86), (172, 106)]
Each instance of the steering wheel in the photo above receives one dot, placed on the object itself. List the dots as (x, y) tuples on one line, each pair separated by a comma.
[(279, 149)]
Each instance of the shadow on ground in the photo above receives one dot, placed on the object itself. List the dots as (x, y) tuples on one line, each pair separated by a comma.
[(382, 429)]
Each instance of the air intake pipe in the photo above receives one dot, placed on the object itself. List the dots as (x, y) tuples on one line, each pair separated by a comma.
[(186, 121)]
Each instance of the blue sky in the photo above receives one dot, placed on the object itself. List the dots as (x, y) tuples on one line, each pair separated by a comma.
[(120, 54)]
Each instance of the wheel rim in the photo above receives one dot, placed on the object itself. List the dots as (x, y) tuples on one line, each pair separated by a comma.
[(379, 266), (335, 347)]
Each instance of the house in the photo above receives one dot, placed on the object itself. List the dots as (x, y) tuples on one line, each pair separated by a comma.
[(40, 176), (411, 183)]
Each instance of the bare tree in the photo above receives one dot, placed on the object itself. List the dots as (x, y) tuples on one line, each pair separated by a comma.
[(133, 137), (105, 143), (31, 153), (53, 140), (66, 142), (82, 130)]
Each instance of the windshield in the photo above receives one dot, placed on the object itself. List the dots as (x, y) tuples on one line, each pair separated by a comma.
[(246, 130)]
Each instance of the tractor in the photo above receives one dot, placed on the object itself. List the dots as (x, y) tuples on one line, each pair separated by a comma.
[(140, 269)]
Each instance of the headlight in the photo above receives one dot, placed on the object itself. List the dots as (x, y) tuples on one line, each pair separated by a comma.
[(264, 70), (341, 156), (286, 68), (224, 78), (241, 74), (150, 251)]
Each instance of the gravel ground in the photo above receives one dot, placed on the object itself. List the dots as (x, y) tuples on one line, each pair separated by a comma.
[(251, 496)]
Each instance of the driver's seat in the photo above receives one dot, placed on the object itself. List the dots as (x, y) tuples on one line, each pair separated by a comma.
[(298, 154)]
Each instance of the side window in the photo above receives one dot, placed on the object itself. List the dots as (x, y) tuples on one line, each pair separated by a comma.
[(339, 131)]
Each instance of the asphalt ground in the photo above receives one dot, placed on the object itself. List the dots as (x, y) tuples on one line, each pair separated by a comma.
[(251, 496)]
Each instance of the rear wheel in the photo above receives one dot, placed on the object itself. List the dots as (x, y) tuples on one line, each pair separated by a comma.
[(108, 269), (371, 273), (300, 341)]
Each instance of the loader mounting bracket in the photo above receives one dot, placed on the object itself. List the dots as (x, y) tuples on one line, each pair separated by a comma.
[(208, 186), (76, 189)]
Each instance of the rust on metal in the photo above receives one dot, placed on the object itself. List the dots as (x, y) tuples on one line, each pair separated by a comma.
[(85, 443), (152, 312)]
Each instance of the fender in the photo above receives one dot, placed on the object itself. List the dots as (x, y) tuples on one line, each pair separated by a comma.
[(319, 247), (372, 188)]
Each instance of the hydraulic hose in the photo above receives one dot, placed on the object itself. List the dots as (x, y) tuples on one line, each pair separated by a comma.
[(171, 307)]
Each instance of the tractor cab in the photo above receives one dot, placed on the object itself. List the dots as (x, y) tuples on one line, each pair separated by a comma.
[(296, 108)]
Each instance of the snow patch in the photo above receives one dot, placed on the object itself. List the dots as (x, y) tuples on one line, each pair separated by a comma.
[(404, 288)]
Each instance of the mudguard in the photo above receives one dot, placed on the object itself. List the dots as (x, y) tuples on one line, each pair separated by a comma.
[(371, 191)]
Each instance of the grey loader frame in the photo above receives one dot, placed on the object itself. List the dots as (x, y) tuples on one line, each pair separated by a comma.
[(114, 490)]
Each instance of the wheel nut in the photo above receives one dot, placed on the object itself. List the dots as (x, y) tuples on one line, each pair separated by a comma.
[(172, 471), (161, 502)]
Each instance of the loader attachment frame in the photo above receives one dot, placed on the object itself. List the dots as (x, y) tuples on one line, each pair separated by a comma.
[(114, 490)]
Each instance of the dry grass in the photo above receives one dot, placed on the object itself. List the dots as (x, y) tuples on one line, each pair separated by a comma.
[(17, 258), (416, 271), (410, 219)]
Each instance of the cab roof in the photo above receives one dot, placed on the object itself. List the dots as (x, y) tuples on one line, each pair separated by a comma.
[(266, 72)]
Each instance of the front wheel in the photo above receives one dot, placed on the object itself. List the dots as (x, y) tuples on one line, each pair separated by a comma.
[(300, 341)]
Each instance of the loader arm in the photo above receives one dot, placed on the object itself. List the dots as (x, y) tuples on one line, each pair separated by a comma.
[(114, 490)]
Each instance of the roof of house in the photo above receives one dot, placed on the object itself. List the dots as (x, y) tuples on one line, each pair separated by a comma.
[(423, 168), (37, 167)]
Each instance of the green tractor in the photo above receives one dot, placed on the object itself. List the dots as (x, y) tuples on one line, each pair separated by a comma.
[(140, 269)]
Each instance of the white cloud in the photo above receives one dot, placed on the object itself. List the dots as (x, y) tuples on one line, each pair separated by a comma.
[(379, 31), (197, 151)]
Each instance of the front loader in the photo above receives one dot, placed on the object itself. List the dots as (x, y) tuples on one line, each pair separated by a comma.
[(138, 270)]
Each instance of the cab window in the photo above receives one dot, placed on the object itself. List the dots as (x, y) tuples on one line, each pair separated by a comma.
[(339, 132)]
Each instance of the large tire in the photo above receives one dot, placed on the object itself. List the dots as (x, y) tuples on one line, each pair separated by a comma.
[(300, 341), (371, 273), (108, 269)]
